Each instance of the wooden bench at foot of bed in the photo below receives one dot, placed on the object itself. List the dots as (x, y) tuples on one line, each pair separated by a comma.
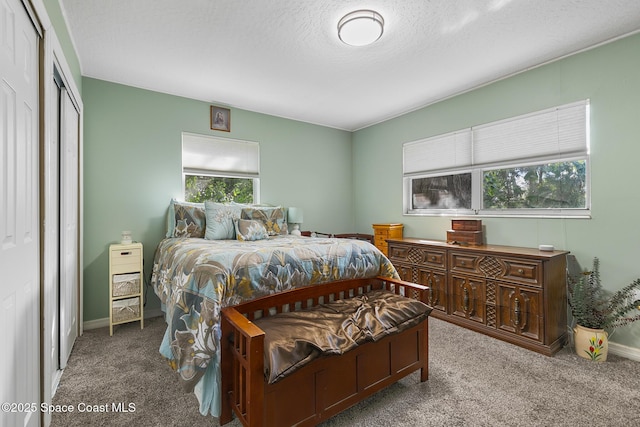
[(327, 385)]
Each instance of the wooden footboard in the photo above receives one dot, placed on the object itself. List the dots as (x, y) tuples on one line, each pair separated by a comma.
[(327, 385)]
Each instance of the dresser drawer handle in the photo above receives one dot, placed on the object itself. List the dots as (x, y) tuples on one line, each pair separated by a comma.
[(521, 271), (125, 253), (462, 262), (433, 258)]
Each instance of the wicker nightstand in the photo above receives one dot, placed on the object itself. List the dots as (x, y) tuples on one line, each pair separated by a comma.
[(125, 285)]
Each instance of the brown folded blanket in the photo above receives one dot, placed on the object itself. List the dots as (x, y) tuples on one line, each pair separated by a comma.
[(294, 339)]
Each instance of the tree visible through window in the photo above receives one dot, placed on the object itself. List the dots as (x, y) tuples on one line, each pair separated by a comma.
[(442, 192), (560, 185), (199, 188)]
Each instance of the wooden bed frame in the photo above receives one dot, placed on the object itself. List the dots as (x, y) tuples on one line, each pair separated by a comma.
[(357, 236), (325, 386)]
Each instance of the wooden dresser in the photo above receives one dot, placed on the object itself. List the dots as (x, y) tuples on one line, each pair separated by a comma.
[(514, 294), (382, 232)]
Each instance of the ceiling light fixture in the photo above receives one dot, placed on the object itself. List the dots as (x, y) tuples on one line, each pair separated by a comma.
[(361, 27)]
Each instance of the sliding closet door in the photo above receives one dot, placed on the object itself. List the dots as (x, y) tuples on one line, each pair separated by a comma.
[(19, 214), (69, 255), (50, 204)]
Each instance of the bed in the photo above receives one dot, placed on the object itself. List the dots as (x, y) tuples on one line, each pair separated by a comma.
[(196, 273)]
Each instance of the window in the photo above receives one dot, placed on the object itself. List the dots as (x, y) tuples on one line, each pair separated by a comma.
[(220, 169), (559, 185), (442, 192), (198, 188), (535, 164)]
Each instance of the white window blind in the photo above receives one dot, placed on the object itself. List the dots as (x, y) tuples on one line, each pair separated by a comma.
[(558, 131), (450, 150), (208, 154)]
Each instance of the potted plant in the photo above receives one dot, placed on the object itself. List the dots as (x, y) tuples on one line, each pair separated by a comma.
[(597, 313)]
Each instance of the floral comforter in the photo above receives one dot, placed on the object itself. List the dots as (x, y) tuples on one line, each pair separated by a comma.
[(194, 278)]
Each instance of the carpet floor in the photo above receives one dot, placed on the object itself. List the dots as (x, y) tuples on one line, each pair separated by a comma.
[(474, 380)]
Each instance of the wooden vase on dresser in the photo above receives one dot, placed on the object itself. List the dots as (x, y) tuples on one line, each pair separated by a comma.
[(511, 293)]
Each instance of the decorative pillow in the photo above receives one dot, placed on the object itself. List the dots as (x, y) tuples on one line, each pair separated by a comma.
[(248, 229), (220, 220), (185, 219), (273, 218)]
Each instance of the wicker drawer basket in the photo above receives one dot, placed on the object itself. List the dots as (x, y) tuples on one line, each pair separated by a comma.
[(125, 284), (125, 309)]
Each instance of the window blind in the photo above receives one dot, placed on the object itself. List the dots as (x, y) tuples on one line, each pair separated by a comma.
[(450, 150), (208, 154), (557, 131)]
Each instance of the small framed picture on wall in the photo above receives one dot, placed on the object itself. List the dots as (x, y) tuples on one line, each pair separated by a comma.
[(220, 119)]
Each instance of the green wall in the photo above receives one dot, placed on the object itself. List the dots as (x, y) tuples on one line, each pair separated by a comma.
[(60, 27), (609, 77), (132, 168)]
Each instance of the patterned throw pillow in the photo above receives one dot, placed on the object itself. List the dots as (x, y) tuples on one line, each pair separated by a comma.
[(248, 230), (220, 220), (273, 218), (186, 219)]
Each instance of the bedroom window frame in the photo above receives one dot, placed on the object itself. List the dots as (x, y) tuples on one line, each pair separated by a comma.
[(216, 157), (471, 151)]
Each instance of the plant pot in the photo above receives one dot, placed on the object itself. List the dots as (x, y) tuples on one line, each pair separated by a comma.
[(592, 344)]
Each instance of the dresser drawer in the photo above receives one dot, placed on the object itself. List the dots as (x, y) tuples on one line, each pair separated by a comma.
[(465, 262), (126, 260), (522, 271), (124, 256), (434, 258), (516, 270), (387, 231), (398, 253), (381, 233), (421, 256), (380, 240)]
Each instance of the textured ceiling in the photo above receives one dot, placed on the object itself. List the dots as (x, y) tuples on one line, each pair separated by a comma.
[(284, 58)]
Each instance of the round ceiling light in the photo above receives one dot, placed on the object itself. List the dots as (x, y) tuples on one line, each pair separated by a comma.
[(361, 27)]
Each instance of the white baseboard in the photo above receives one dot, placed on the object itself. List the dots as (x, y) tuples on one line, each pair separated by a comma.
[(632, 353), (102, 323), (624, 351)]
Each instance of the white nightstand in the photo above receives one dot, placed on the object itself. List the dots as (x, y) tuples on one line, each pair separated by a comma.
[(125, 285)]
